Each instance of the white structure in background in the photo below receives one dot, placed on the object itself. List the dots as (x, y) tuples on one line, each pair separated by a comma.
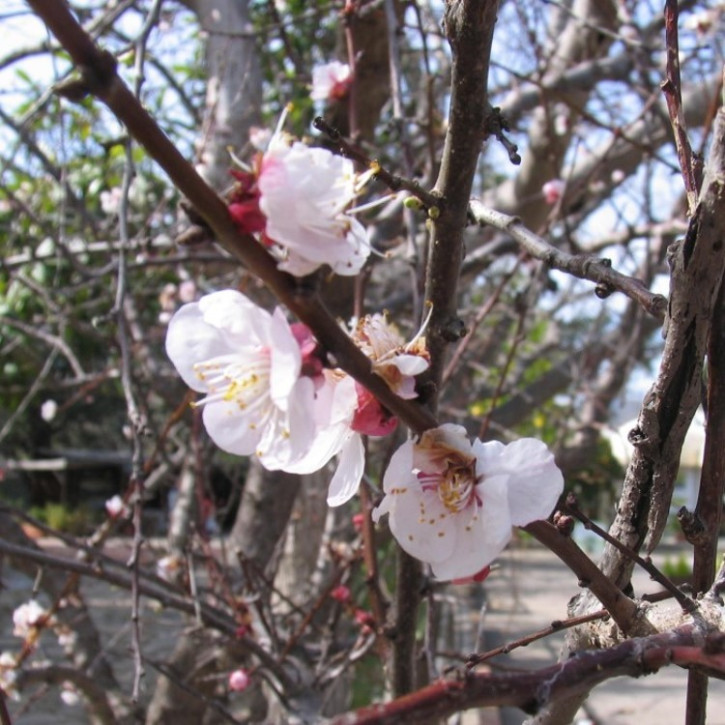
[(688, 479)]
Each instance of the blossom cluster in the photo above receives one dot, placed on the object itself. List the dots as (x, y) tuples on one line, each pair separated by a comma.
[(269, 390), (297, 200), (268, 394)]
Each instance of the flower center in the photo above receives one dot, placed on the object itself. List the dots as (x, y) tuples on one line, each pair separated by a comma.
[(455, 483), (230, 381)]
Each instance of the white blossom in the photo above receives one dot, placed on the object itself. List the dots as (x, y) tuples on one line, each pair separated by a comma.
[(330, 81), (248, 363), (27, 616), (115, 506), (304, 194), (48, 410), (452, 503)]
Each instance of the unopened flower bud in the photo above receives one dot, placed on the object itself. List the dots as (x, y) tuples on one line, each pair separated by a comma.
[(238, 680)]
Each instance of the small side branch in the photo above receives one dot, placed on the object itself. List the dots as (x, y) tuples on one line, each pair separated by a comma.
[(672, 89), (583, 266)]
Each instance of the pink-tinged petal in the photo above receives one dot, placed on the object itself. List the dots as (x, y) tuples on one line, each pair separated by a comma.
[(535, 481), (350, 469), (370, 417), (479, 537), (286, 358), (288, 435)]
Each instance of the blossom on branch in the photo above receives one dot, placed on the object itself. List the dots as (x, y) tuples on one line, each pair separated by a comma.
[(330, 81), (248, 363), (296, 199), (304, 194), (553, 190), (239, 680), (452, 503), (26, 617), (345, 411)]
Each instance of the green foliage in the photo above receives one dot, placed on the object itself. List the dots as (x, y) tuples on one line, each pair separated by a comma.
[(678, 570), (75, 520)]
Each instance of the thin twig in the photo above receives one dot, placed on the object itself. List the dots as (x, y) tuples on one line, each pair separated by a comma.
[(572, 507), (583, 266), (672, 88), (392, 181)]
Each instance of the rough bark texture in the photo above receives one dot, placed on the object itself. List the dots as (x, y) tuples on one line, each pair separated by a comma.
[(234, 84), (698, 268)]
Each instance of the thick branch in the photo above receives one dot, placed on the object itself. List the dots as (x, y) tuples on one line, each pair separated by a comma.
[(99, 78), (698, 265), (532, 690)]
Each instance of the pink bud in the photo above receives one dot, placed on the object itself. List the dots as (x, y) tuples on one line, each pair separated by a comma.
[(479, 577), (341, 594), (357, 521), (370, 417), (238, 680), (242, 630), (553, 190), (364, 618)]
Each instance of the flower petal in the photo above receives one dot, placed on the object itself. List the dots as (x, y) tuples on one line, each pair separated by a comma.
[(535, 482), (190, 340), (286, 358), (230, 431), (288, 435), (350, 469), (479, 538)]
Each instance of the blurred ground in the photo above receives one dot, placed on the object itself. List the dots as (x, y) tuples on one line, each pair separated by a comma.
[(527, 590)]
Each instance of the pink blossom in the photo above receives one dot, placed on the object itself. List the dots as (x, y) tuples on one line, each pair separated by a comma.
[(304, 194), (553, 190), (341, 594), (296, 199), (452, 503), (115, 506), (238, 680), (330, 81), (344, 410)]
